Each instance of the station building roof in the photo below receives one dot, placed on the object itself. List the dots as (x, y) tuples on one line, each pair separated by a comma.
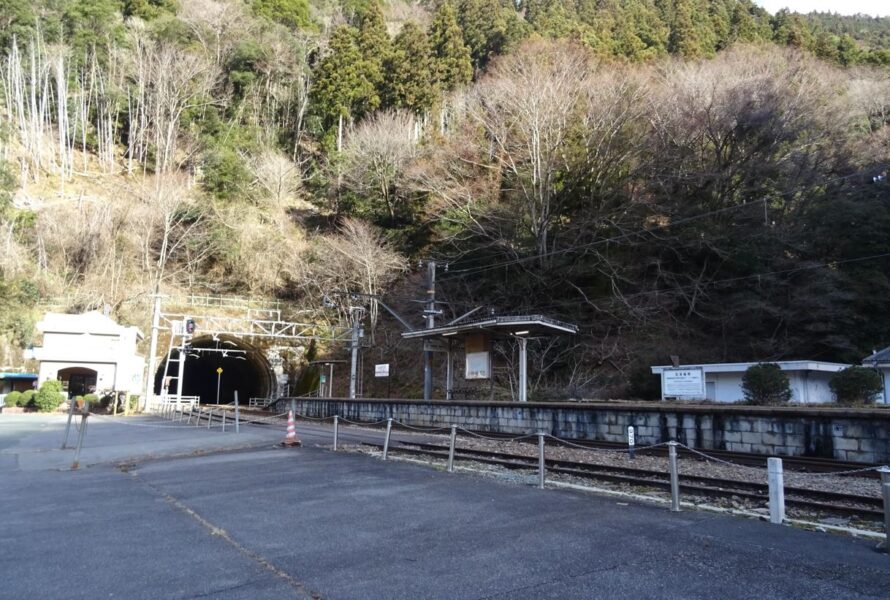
[(878, 358), (785, 365), (500, 327)]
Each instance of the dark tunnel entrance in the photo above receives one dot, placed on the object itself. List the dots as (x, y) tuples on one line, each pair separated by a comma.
[(244, 368)]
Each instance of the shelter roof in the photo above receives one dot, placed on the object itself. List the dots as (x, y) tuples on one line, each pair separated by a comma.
[(500, 327)]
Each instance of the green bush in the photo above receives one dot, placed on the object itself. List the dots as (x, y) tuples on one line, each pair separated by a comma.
[(27, 398), (856, 384), (49, 396), (766, 384), (13, 398), (92, 399)]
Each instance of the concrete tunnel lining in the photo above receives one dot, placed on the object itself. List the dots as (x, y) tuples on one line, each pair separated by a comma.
[(251, 376)]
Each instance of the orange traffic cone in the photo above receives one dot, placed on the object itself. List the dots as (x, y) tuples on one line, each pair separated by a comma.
[(291, 438)]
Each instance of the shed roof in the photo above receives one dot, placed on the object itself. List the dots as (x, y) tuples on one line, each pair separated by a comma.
[(504, 327), (785, 365), (880, 357)]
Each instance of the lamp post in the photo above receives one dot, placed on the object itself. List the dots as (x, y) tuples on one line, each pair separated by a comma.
[(218, 378)]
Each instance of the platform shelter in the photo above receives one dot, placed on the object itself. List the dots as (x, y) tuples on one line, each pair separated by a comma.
[(476, 338)]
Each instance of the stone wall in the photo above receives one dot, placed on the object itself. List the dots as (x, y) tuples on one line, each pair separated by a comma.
[(860, 435)]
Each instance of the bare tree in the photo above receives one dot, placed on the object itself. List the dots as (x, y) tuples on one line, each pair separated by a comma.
[(276, 177), (357, 259), (377, 157)]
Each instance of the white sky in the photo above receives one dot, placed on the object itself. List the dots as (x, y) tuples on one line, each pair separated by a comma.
[(879, 8)]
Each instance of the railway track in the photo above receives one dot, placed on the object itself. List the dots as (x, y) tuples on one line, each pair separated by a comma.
[(806, 464), (833, 503)]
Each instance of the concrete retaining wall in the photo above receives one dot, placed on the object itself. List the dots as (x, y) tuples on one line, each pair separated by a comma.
[(860, 435)]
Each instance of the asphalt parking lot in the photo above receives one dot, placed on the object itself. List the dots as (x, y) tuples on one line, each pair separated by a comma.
[(307, 522)]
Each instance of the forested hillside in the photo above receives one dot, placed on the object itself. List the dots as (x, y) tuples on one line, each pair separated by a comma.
[(692, 177)]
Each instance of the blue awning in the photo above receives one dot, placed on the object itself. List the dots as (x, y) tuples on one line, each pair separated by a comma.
[(30, 376)]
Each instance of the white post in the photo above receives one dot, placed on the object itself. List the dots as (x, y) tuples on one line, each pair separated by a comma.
[(152, 352), (386, 441), (181, 371), (237, 414), (675, 477), (776, 490), (449, 372), (885, 487), (451, 449), (523, 369), (541, 475), (336, 430)]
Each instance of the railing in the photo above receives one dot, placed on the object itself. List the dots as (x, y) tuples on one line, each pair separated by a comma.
[(260, 402), (181, 403)]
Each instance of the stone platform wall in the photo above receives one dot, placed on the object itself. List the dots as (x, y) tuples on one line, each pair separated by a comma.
[(860, 435)]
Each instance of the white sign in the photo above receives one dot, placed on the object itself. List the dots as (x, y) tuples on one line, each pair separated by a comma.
[(682, 382), (381, 370), (630, 436), (478, 365)]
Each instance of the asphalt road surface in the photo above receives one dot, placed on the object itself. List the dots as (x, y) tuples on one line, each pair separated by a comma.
[(307, 522)]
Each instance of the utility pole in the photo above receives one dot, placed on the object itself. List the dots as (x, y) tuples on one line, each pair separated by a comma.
[(356, 313), (152, 351), (430, 313)]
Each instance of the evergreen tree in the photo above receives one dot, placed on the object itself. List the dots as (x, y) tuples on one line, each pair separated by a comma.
[(743, 26), (454, 66), (375, 47), (488, 28), (290, 13), (685, 39), (848, 52), (410, 81), (341, 86)]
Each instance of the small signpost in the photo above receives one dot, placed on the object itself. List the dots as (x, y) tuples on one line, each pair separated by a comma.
[(630, 442), (218, 378), (382, 370)]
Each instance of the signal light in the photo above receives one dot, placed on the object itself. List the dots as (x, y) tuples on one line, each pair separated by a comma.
[(190, 326)]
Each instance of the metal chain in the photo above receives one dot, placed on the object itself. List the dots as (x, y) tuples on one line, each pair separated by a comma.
[(497, 439), (111, 420), (719, 460), (424, 429), (606, 450)]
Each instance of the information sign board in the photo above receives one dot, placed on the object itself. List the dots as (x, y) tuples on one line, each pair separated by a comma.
[(676, 383)]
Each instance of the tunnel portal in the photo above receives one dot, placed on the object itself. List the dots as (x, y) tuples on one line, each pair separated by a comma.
[(244, 368)]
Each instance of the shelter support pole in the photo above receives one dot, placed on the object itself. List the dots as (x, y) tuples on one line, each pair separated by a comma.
[(449, 373), (523, 369)]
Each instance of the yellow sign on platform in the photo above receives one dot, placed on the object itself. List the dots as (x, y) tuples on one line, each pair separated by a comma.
[(219, 370)]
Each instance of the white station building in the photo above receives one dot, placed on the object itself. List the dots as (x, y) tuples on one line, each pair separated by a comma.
[(722, 382), (89, 353)]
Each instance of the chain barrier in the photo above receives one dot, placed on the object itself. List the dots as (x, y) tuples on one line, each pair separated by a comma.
[(122, 422), (345, 420), (605, 450), (498, 439), (717, 460), (787, 473), (423, 429)]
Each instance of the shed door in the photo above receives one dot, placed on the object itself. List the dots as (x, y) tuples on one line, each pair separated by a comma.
[(711, 390)]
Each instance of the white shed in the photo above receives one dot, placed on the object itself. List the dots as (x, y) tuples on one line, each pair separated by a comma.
[(723, 381), (89, 353)]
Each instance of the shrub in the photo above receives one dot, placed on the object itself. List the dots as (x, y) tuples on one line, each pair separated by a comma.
[(92, 399), (49, 396), (13, 398), (766, 384), (856, 384), (27, 398)]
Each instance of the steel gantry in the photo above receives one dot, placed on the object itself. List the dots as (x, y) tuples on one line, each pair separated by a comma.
[(257, 322)]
